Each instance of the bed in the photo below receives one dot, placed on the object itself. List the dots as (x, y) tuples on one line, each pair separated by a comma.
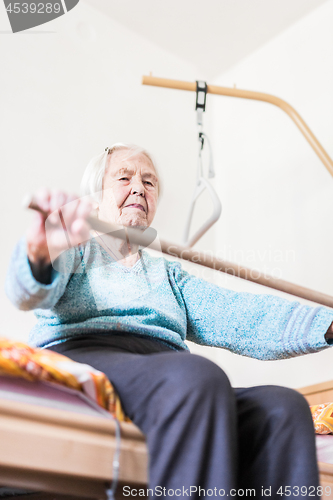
[(58, 444)]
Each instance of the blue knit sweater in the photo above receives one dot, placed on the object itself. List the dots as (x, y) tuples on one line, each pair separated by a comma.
[(91, 292)]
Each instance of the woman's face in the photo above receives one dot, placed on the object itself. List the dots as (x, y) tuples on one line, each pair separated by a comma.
[(130, 190)]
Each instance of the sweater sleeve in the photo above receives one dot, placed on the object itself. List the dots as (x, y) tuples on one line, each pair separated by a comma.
[(24, 291), (261, 326)]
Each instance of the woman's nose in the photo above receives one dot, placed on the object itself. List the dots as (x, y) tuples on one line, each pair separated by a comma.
[(138, 188)]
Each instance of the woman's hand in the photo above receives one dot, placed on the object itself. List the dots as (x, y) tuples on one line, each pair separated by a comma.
[(61, 225)]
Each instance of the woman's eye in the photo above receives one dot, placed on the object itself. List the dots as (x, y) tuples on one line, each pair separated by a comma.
[(150, 183), (123, 179)]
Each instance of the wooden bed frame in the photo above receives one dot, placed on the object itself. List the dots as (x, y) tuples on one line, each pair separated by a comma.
[(317, 394), (65, 454)]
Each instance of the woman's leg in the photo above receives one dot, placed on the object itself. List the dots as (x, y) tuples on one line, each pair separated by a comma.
[(277, 450), (185, 406)]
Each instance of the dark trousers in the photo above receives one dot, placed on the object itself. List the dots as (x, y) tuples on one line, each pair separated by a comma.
[(202, 433)]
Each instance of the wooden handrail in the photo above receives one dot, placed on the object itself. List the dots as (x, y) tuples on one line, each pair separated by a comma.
[(257, 96), (245, 273)]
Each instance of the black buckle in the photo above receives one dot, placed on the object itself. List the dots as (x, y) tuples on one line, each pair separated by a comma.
[(201, 92), (201, 139)]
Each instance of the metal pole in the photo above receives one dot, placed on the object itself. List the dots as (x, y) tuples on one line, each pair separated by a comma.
[(257, 96)]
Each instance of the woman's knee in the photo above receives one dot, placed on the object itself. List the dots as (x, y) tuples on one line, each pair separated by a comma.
[(199, 375), (287, 398), (286, 405), (184, 388)]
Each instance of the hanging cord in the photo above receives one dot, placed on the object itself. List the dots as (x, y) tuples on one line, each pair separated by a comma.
[(111, 492), (211, 171), (200, 101), (200, 106)]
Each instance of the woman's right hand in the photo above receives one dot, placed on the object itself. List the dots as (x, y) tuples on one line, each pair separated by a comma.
[(46, 241)]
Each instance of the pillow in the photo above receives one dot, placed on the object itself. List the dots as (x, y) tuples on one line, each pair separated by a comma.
[(20, 360), (322, 416)]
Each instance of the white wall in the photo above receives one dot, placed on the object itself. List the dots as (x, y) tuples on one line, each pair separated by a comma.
[(68, 93), (277, 195)]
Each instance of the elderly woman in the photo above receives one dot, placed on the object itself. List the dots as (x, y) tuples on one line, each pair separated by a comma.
[(115, 307)]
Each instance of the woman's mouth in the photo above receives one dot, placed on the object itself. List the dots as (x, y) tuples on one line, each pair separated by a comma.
[(135, 205)]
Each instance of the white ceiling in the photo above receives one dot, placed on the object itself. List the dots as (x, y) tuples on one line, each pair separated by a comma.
[(211, 34)]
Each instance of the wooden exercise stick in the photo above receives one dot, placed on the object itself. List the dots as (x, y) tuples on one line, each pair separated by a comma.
[(135, 236), (201, 258)]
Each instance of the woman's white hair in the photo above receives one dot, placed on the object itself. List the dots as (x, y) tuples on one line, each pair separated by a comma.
[(92, 180)]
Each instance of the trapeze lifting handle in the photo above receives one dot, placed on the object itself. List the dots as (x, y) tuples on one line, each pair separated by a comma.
[(217, 209)]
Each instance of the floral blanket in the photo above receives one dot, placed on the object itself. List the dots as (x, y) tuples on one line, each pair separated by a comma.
[(20, 360)]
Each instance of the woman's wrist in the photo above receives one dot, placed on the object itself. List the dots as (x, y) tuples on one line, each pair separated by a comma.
[(329, 334), (38, 255), (42, 273), (40, 264)]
